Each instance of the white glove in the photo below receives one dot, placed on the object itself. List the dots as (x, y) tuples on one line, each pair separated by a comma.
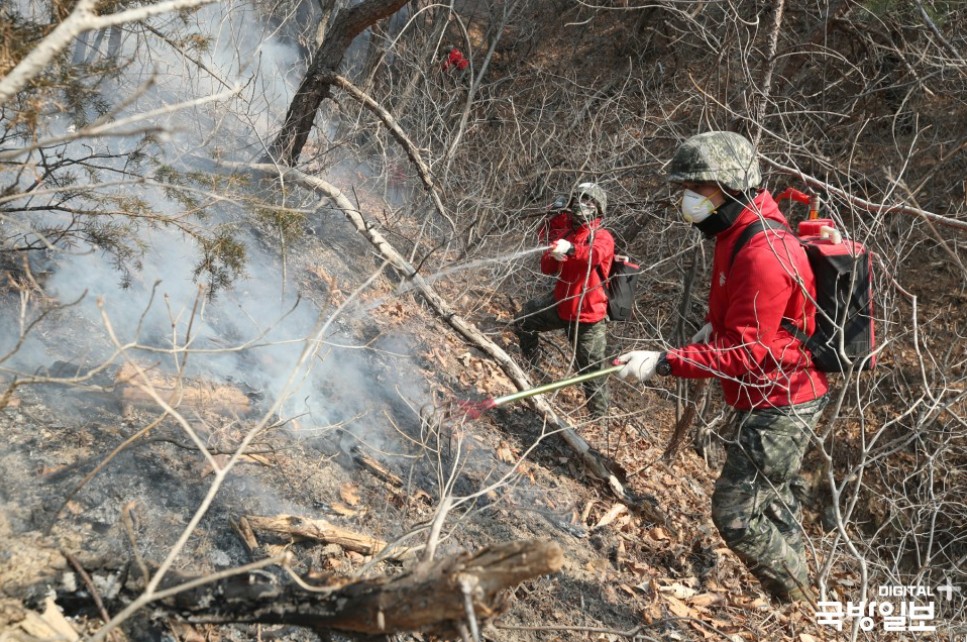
[(560, 249), (640, 364), (703, 335)]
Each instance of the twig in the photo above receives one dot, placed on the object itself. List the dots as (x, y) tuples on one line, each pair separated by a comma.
[(634, 633), (133, 540), (89, 584), (280, 560), (467, 585)]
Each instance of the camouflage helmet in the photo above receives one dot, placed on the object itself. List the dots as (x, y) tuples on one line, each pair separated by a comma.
[(719, 157), (595, 193)]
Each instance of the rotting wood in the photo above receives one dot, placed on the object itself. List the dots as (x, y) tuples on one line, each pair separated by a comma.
[(376, 468), (321, 531), (218, 397), (593, 462), (430, 598)]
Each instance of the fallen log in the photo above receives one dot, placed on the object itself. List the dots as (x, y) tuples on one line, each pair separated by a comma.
[(433, 598), (316, 529), (132, 390)]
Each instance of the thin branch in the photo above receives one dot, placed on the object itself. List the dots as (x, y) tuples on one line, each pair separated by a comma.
[(411, 150), (863, 204), (82, 18), (936, 32)]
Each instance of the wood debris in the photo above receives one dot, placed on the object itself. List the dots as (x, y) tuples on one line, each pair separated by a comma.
[(49, 625), (317, 529), (376, 468), (430, 597), (134, 391)]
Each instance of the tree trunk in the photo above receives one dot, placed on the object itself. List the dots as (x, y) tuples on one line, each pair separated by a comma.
[(315, 87)]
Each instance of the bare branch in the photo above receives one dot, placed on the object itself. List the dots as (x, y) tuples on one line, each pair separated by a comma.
[(863, 204), (82, 18)]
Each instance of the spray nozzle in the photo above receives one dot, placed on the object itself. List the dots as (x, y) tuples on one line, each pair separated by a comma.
[(811, 200)]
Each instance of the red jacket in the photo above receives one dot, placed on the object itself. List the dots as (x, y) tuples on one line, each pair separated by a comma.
[(758, 363), (579, 289), (554, 228)]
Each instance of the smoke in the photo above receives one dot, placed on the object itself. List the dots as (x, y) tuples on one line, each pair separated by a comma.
[(361, 383), (253, 332)]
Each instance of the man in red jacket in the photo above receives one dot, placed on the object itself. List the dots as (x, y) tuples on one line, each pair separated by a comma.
[(580, 255), (766, 373)]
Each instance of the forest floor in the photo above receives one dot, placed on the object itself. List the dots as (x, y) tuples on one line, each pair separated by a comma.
[(655, 568)]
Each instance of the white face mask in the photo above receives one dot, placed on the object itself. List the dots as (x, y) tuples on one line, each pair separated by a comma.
[(584, 212), (695, 207)]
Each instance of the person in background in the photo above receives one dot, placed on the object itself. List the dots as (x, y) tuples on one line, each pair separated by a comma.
[(455, 60), (580, 254), (766, 373)]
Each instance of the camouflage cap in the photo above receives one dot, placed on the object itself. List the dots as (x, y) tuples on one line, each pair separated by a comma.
[(719, 157), (595, 193)]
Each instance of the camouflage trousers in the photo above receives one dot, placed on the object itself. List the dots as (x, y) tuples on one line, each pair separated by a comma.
[(753, 505), (590, 341)]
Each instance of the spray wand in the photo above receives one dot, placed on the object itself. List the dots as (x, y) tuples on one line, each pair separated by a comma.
[(474, 409)]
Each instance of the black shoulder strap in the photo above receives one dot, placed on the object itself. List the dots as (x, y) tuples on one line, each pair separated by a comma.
[(751, 230), (604, 277)]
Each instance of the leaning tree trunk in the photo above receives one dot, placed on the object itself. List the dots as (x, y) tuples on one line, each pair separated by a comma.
[(594, 463), (315, 87)]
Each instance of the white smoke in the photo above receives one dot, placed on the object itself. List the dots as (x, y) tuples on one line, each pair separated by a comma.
[(153, 306)]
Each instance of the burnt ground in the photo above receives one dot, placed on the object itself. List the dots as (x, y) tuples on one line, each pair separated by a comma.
[(658, 565)]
